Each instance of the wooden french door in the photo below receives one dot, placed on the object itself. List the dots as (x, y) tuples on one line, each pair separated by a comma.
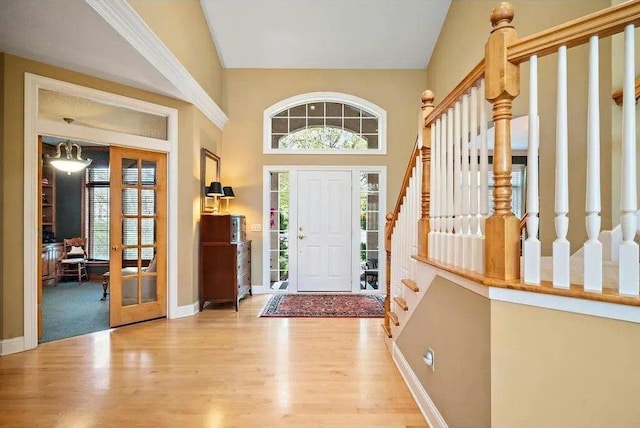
[(324, 231), (138, 224)]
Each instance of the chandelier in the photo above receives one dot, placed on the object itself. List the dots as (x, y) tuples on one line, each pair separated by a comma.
[(68, 163)]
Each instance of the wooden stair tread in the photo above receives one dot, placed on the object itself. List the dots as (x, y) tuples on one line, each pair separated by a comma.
[(402, 303), (387, 331), (394, 318), (411, 284)]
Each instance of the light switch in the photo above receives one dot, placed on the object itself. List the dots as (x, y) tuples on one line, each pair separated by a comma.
[(256, 228)]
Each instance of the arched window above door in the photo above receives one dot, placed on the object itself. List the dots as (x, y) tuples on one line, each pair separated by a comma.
[(325, 122)]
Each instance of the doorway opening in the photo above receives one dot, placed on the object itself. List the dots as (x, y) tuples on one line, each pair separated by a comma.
[(323, 228), (116, 199), (113, 133)]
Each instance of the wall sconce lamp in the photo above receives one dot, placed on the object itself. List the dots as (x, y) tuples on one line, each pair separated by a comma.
[(227, 195), (68, 163), (215, 191)]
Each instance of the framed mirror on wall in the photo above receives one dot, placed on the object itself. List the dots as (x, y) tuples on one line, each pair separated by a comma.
[(209, 173)]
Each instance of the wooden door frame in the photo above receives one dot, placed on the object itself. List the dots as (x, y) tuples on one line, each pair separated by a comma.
[(33, 126), (293, 215)]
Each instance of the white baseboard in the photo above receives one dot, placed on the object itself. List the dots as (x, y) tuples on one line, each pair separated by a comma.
[(260, 289), (12, 346), (188, 310), (424, 402)]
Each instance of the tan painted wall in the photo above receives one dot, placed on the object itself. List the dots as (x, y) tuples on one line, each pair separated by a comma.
[(193, 130), (2, 179), (461, 46), (557, 369), (455, 323), (617, 74), (249, 92), (182, 27)]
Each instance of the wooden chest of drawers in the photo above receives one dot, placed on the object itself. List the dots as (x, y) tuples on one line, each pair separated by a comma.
[(225, 272)]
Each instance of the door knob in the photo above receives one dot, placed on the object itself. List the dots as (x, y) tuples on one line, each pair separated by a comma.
[(115, 248), (301, 236)]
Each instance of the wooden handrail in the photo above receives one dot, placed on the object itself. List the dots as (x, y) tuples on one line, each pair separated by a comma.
[(617, 95), (603, 23), (403, 189), (462, 88), (523, 221)]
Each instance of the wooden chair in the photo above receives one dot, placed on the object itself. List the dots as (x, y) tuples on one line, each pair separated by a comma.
[(369, 275), (73, 260)]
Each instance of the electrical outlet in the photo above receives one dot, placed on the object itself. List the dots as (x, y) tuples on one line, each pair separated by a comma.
[(256, 228)]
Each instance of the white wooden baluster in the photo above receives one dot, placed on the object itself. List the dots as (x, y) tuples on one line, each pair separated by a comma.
[(442, 207), (399, 230), (399, 252), (417, 213), (465, 186), (410, 226), (434, 245), (457, 186), (404, 244), (403, 247), (531, 249), (474, 181), (409, 216), (407, 230), (394, 266), (408, 222), (561, 246), (451, 254), (416, 196), (433, 200), (628, 254), (593, 247), (484, 175)]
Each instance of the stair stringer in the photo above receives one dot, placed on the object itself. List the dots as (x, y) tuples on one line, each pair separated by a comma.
[(423, 275)]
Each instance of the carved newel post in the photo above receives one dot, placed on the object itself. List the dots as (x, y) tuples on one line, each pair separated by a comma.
[(425, 154), (502, 86), (387, 299)]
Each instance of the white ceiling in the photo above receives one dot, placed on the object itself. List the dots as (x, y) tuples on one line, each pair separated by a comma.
[(357, 34), (70, 34), (248, 33)]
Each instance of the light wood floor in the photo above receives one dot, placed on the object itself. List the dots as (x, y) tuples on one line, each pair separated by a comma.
[(217, 369)]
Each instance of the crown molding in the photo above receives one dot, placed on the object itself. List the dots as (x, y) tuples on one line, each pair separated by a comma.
[(126, 21)]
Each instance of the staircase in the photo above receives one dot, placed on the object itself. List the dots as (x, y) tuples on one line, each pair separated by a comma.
[(443, 224)]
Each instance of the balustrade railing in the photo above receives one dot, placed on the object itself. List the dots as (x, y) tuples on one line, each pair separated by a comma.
[(442, 213)]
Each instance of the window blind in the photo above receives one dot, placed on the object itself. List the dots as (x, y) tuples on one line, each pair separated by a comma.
[(97, 216)]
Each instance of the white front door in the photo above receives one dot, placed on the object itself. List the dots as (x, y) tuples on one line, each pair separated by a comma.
[(324, 231)]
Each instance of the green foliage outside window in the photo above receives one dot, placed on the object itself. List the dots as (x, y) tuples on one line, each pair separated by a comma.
[(323, 138)]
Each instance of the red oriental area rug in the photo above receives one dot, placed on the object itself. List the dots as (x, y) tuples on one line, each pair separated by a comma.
[(325, 306)]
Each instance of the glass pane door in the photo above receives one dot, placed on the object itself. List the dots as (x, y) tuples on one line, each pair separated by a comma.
[(138, 252)]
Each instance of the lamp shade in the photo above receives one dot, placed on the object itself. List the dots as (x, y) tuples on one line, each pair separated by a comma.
[(227, 193), (215, 189)]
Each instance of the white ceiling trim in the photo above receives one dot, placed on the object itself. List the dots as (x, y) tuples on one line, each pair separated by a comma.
[(125, 20)]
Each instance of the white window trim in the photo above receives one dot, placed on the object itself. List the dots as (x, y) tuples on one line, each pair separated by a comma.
[(33, 126), (336, 97), (293, 226)]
